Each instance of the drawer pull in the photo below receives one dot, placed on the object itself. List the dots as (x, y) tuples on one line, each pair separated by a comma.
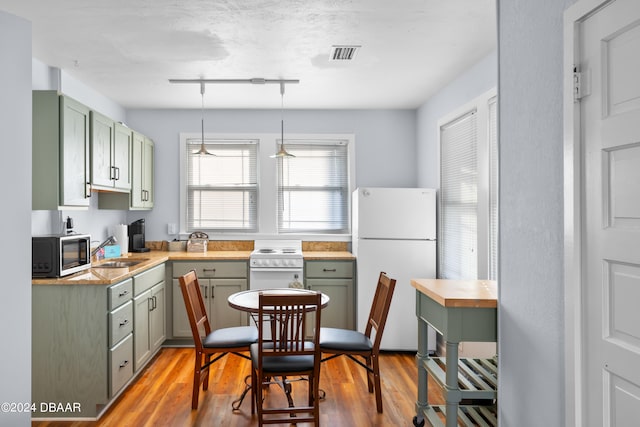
[(213, 270), (125, 322), (121, 294), (329, 270), (123, 364)]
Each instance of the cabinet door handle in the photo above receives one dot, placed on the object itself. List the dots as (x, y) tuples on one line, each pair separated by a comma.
[(124, 363), (124, 322), (87, 190), (155, 302), (205, 291), (117, 173), (329, 270)]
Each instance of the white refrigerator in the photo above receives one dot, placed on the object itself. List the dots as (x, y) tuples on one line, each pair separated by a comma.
[(394, 230)]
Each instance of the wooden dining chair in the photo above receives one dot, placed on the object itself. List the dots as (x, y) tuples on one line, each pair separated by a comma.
[(283, 351), (207, 342), (345, 342)]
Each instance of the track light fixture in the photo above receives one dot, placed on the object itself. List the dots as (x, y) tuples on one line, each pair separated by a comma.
[(281, 151)]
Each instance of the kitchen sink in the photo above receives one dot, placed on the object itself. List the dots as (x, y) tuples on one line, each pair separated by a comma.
[(120, 263)]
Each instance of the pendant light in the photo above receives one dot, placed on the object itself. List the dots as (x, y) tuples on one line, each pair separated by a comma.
[(203, 149), (282, 153)]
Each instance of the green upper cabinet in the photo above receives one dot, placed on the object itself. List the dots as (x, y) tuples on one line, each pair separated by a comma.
[(141, 195), (110, 154), (142, 192), (60, 150), (122, 156)]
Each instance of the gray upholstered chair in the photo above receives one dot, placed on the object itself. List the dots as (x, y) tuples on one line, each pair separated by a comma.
[(345, 342), (207, 342)]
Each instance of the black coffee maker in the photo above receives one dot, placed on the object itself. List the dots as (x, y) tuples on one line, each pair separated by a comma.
[(136, 236)]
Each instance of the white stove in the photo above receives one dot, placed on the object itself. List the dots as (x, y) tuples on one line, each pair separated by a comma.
[(276, 264), (276, 254)]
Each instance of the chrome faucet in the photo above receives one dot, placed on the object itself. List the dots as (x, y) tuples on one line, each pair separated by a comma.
[(110, 240)]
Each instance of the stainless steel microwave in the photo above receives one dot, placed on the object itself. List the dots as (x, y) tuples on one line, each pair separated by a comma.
[(60, 255)]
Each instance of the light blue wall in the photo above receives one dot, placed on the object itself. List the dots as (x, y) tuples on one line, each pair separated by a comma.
[(531, 287), (15, 172), (385, 146), (45, 77), (477, 80)]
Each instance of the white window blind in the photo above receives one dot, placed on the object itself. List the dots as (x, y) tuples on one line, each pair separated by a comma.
[(313, 188), (222, 189), (493, 189), (458, 198)]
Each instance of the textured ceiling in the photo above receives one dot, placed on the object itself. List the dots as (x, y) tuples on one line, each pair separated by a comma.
[(129, 49)]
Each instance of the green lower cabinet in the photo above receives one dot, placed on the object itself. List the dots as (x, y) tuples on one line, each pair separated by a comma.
[(149, 314), (89, 341), (218, 280), (82, 347), (335, 279)]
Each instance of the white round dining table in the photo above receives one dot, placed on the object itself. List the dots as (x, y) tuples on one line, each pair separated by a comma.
[(248, 300)]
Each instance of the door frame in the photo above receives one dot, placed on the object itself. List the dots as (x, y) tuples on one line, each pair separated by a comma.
[(574, 334)]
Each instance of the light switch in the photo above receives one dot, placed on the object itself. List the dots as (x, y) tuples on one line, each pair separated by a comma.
[(172, 228)]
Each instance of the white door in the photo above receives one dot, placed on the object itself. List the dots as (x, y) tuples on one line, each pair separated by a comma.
[(610, 125)]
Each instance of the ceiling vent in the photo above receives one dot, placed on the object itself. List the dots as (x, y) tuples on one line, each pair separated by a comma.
[(343, 52)]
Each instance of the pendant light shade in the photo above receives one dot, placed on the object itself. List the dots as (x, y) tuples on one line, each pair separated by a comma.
[(282, 152), (203, 149)]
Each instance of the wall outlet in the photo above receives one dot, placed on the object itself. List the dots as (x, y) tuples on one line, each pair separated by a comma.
[(172, 228)]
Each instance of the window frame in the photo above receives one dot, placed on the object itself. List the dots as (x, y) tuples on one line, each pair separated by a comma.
[(291, 145), (484, 237), (251, 188), (267, 183)]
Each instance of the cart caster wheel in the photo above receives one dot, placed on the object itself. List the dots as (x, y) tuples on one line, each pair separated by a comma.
[(418, 424)]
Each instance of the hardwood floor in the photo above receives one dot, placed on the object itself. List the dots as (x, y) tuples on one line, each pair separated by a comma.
[(161, 396)]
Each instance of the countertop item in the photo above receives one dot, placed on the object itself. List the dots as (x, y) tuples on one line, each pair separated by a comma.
[(108, 276), (197, 242)]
